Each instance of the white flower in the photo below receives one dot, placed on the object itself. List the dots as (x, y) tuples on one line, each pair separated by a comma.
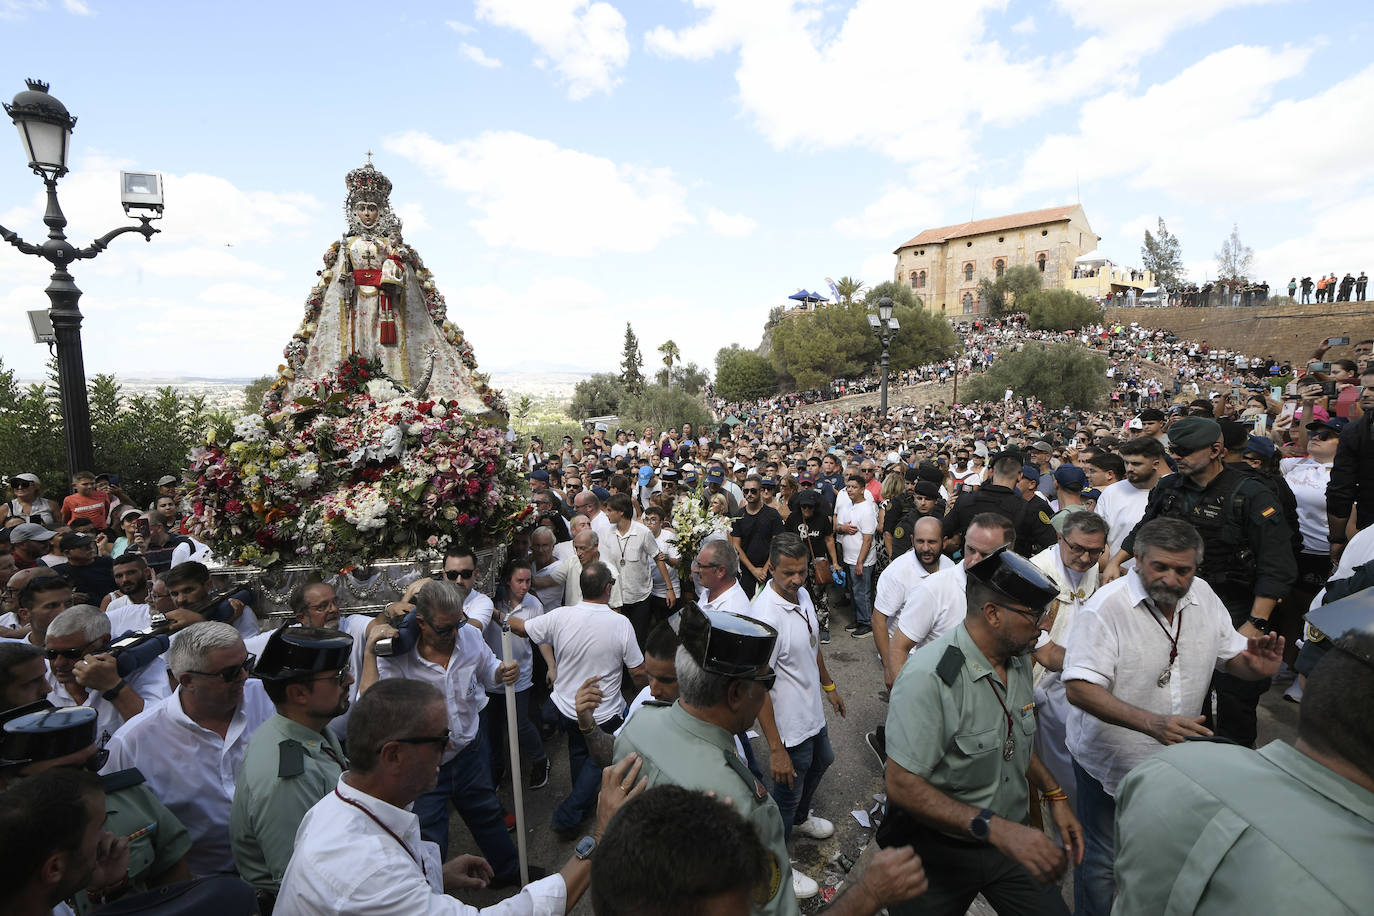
[(250, 428), (381, 390), (439, 411)]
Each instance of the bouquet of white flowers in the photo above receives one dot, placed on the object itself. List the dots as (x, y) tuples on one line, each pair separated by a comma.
[(693, 523)]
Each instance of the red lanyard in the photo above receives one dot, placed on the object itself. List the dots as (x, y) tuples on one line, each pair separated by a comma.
[(391, 833), (1173, 640)]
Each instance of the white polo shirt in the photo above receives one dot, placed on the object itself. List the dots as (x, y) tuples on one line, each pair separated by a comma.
[(463, 679), (631, 559), (520, 649), (896, 583), (796, 694), (733, 600), (192, 769), (589, 640), (938, 603), (551, 596), (1118, 643), (149, 682), (865, 516)]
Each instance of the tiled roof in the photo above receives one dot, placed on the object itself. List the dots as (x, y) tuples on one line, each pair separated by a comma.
[(984, 226)]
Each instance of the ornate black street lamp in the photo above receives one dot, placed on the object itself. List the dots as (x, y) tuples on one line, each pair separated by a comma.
[(886, 327), (45, 128)]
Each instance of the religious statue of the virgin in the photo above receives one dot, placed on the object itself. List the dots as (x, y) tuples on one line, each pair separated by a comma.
[(376, 299)]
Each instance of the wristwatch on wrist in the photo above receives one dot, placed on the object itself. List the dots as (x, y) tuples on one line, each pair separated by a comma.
[(981, 826), (1260, 623), (114, 691), (584, 847)]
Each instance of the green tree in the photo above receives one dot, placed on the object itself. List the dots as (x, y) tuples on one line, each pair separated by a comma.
[(689, 377), (254, 391), (743, 375), (1010, 290), (1162, 255), (899, 293), (1060, 310), (598, 395), (1058, 375), (665, 408), (774, 316), (630, 362), (522, 410), (849, 287), (923, 338), (837, 342), (1235, 260), (670, 353)]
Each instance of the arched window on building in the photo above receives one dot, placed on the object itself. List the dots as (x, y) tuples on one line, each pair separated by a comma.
[(968, 303), (915, 280), (921, 280), (1040, 260), (1000, 267), (968, 272)]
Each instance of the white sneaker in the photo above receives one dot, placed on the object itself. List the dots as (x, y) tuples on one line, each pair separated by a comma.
[(803, 886), (817, 828), (1293, 695)]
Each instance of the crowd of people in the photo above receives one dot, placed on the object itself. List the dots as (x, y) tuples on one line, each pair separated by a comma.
[(1069, 609), (1329, 289)]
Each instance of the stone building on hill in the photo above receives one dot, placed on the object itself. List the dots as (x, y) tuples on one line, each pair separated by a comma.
[(943, 266)]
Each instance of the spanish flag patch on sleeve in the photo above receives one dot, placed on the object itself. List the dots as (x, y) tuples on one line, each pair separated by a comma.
[(1268, 512)]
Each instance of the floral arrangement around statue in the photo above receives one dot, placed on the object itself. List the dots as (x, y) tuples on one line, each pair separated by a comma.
[(357, 470), (693, 522)]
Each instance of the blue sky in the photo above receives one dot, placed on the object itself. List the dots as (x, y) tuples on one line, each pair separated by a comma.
[(564, 165)]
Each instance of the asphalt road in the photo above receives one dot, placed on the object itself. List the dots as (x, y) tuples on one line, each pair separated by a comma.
[(849, 785)]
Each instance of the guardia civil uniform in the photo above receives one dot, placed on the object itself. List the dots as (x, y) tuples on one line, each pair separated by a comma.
[(1205, 828), (288, 767), (952, 722), (679, 749), (157, 840)]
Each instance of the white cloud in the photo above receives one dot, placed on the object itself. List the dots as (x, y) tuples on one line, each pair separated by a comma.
[(478, 56), (898, 211), (1242, 145), (1025, 26), (585, 41), (462, 28), (77, 7), (535, 195), (796, 70), (412, 214), (1337, 238), (730, 225)]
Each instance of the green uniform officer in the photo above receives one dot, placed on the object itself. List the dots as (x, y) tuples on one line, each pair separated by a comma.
[(959, 732), (38, 737), (1205, 828), (293, 759), (723, 676)]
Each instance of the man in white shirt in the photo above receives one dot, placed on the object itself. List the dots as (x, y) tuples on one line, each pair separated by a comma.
[(564, 549), (589, 504), (586, 546), (189, 746), (1138, 668), (188, 585), (359, 851), (451, 656), (1071, 564), (589, 641), (660, 605), (631, 551), (894, 586), (717, 570), (938, 602), (87, 675), (549, 573), (460, 565), (856, 524), (40, 595), (133, 582), (1122, 504), (793, 716)]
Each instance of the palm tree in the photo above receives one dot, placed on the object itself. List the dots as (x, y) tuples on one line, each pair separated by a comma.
[(670, 354), (848, 288)]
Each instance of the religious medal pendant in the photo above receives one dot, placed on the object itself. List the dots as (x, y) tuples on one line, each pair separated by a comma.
[(1008, 748), (1165, 675)]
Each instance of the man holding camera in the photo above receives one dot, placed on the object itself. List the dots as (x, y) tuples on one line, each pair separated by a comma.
[(434, 644), (77, 644)]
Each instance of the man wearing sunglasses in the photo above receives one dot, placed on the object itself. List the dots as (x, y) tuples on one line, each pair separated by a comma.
[(76, 643), (36, 739), (1248, 557), (452, 656), (294, 759), (460, 566), (960, 766), (190, 746)]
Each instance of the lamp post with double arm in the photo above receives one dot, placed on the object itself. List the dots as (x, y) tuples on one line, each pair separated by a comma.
[(45, 128), (886, 327)]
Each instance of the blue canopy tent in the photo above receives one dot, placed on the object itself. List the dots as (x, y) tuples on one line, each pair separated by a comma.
[(807, 298)]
